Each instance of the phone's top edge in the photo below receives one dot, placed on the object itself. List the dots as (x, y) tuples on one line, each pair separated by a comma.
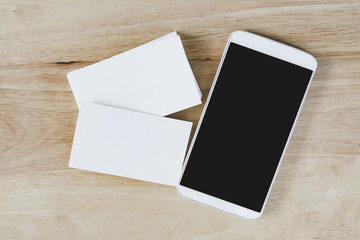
[(312, 62)]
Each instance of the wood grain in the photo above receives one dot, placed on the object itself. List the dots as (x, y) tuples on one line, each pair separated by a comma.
[(317, 192)]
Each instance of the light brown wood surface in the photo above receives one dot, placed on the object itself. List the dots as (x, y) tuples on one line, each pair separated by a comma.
[(317, 192)]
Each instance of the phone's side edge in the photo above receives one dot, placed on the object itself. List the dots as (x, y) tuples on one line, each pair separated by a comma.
[(204, 109), (291, 132)]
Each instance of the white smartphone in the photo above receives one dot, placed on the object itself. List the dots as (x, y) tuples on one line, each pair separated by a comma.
[(246, 124)]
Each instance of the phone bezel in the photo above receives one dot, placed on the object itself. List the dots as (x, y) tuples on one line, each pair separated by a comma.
[(272, 48)]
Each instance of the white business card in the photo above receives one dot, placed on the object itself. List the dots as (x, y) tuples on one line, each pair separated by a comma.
[(129, 144), (153, 78)]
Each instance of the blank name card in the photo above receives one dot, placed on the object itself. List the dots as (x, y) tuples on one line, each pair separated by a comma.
[(129, 144), (153, 78)]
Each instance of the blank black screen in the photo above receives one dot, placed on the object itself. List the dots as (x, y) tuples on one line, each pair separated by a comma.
[(245, 128)]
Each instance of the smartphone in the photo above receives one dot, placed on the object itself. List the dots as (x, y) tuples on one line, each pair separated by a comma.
[(246, 124)]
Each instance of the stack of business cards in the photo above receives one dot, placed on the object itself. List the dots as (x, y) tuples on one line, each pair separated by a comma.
[(154, 78), (122, 100)]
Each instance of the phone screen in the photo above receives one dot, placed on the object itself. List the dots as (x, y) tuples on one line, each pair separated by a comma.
[(245, 127)]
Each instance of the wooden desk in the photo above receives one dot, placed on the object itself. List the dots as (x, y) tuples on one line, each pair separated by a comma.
[(317, 192)]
